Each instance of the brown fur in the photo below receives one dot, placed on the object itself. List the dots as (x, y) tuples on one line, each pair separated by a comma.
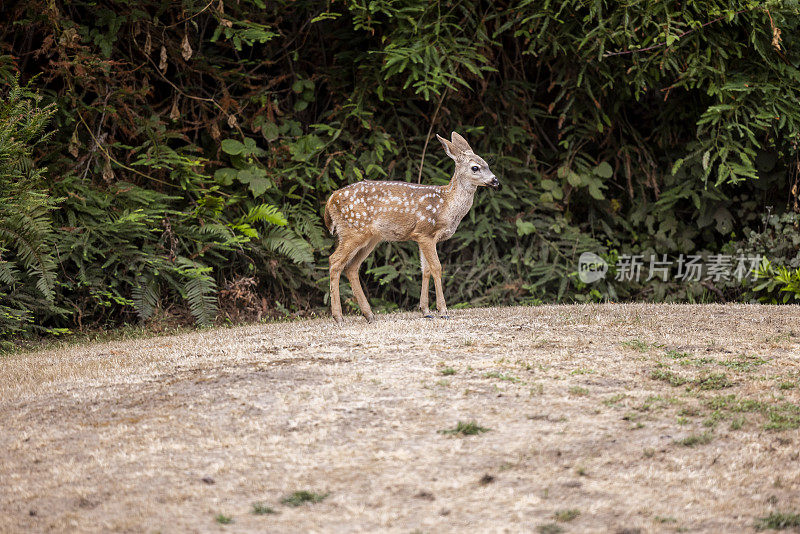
[(368, 212)]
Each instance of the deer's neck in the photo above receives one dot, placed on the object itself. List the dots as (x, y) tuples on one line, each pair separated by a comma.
[(458, 195)]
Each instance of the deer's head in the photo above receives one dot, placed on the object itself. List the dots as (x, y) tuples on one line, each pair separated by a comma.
[(469, 166)]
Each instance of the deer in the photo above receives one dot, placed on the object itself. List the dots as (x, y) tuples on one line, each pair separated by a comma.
[(368, 212)]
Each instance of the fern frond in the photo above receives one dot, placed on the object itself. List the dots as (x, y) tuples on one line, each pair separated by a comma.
[(284, 241), (265, 213), (199, 290), (9, 274), (145, 296)]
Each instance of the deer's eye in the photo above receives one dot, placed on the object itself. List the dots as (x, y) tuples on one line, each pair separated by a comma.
[(475, 168)]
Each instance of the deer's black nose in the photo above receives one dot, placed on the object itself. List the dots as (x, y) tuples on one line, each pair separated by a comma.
[(495, 184)]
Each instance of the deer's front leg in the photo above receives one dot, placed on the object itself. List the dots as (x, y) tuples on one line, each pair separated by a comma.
[(426, 276), (428, 248)]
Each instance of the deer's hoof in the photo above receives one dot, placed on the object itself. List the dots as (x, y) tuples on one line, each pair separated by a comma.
[(445, 316), (370, 318)]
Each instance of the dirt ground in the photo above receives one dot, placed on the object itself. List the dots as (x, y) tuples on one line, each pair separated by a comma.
[(600, 418)]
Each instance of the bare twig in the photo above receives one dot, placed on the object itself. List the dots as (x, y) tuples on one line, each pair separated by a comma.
[(190, 17), (111, 158), (428, 137)]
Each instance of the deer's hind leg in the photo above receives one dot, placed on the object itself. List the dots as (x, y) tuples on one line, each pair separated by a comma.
[(428, 249), (351, 271), (345, 251)]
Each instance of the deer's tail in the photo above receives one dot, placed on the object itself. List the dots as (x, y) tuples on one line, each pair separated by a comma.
[(328, 220)]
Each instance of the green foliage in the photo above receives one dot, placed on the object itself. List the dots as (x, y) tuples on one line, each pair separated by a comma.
[(196, 144), (470, 428), (27, 265), (778, 279), (299, 498), (778, 521), (262, 509)]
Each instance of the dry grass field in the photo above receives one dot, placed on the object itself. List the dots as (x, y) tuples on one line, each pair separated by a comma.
[(597, 418)]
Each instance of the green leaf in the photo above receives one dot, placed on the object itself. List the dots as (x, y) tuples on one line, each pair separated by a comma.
[(232, 147), (604, 170), (258, 186), (549, 185), (225, 175), (325, 16), (706, 157), (525, 227), (574, 179), (677, 165), (724, 220), (270, 131), (595, 191)]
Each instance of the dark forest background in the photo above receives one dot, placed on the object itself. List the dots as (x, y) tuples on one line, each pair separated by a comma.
[(169, 161)]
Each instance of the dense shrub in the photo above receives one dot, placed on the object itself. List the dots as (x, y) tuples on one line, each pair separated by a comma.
[(196, 142), (27, 265)]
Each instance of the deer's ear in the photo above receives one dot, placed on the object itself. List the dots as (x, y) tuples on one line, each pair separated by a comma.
[(449, 147), (460, 143)]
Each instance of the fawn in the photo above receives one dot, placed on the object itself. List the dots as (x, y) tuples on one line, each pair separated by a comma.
[(368, 212)]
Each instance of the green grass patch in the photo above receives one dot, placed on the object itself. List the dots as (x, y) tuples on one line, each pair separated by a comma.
[(696, 439), (779, 417), (715, 417), (778, 521), (447, 371), (636, 344), (566, 515), (661, 519), (707, 382), (697, 362), (689, 411), (549, 528), (665, 375), (782, 421), (465, 429), (786, 385), (578, 391), (614, 399), (737, 423), (744, 362), (714, 381), (675, 355), (299, 498), (223, 519), (507, 378), (262, 509)]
